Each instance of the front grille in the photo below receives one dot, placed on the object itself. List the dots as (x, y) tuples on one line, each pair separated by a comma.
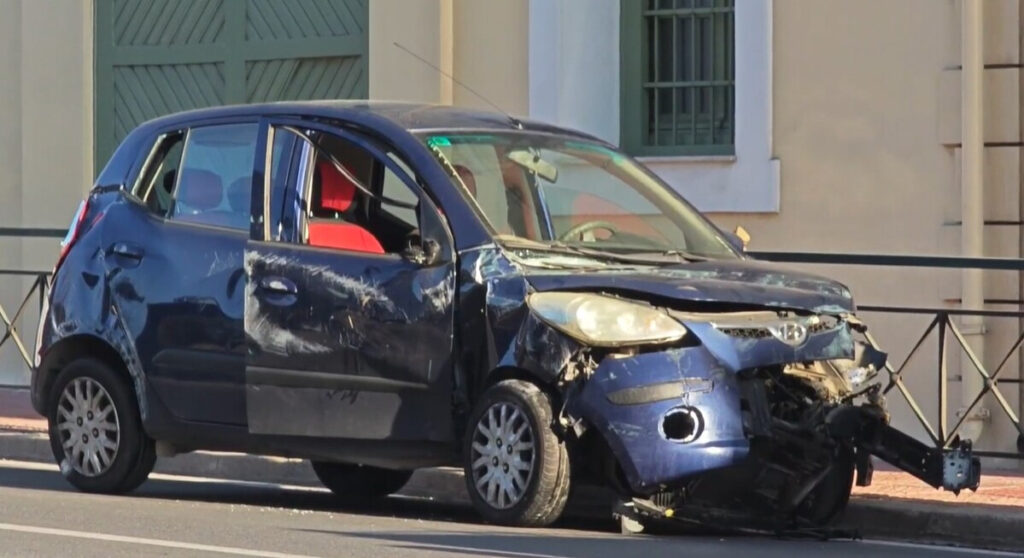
[(747, 332), (759, 332)]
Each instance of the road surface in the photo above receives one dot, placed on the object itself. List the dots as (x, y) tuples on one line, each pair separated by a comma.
[(40, 515)]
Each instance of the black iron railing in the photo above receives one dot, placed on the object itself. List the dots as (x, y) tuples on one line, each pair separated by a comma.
[(941, 324), (13, 335), (9, 321), (943, 327)]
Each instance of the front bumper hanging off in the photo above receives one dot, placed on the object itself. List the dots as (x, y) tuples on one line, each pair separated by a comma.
[(953, 469), (731, 426)]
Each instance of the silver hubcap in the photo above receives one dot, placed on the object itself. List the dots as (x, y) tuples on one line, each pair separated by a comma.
[(502, 455), (88, 427)]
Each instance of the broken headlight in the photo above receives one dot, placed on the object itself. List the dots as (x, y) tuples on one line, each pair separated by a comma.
[(605, 321), (860, 376)]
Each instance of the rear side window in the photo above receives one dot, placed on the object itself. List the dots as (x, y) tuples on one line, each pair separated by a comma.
[(156, 183), (215, 180)]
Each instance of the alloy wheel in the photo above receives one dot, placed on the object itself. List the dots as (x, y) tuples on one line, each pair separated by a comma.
[(503, 455), (88, 425)]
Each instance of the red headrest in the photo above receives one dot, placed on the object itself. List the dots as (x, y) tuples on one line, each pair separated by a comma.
[(200, 190), (467, 178), (336, 191)]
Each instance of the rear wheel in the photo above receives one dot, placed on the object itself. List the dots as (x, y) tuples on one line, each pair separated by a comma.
[(359, 484), (517, 469), (96, 431)]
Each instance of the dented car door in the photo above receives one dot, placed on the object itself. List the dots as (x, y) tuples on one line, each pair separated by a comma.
[(347, 338), (173, 251)]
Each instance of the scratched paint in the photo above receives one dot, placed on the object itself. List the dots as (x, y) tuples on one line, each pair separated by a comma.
[(378, 359)]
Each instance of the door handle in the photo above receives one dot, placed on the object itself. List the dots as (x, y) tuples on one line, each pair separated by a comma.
[(127, 250), (278, 286)]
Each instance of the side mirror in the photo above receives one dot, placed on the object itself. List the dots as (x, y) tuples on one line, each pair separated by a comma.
[(420, 251), (739, 238)]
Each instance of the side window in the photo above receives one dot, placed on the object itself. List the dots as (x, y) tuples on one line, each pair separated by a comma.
[(394, 188), (215, 182), (351, 201), (155, 186)]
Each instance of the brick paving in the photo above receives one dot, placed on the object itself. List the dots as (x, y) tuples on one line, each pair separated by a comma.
[(16, 412), (998, 488)]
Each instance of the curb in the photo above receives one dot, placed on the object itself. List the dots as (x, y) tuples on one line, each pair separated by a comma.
[(992, 527), (906, 520)]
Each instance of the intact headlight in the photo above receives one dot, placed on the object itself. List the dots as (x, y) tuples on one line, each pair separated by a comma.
[(605, 321)]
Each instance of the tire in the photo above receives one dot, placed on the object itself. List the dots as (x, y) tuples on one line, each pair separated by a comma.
[(359, 484), (536, 494), (109, 407), (827, 502)]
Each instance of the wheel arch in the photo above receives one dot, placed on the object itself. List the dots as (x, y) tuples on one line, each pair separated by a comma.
[(68, 350)]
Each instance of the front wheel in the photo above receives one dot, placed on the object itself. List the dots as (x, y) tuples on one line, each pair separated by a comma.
[(358, 484), (95, 429), (827, 502), (517, 468)]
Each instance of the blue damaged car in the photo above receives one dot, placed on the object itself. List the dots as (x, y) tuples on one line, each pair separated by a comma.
[(382, 287)]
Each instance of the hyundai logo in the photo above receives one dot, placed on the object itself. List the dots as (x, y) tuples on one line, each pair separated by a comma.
[(791, 333)]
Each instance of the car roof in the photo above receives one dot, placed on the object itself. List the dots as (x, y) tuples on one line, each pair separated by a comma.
[(412, 117)]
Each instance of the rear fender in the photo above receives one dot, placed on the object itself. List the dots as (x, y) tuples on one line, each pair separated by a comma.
[(84, 311)]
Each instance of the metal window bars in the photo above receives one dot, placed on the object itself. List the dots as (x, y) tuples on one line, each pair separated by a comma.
[(689, 76)]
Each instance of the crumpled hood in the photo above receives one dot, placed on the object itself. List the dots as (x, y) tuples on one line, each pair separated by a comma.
[(744, 282)]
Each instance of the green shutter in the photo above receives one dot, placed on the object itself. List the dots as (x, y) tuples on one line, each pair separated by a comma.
[(155, 57), (678, 77)]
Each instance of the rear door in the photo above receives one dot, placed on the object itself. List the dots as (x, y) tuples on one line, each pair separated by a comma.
[(347, 342), (174, 260)]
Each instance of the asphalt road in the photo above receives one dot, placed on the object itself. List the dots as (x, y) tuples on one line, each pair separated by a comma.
[(40, 515)]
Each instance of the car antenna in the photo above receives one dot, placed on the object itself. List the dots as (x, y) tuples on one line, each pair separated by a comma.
[(515, 121)]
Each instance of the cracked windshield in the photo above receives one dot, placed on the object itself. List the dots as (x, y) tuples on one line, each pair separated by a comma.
[(543, 193)]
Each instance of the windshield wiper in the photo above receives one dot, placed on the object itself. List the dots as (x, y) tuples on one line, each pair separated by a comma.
[(560, 247), (557, 247), (678, 254)]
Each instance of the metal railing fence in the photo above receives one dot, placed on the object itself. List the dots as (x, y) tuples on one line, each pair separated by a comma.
[(941, 324), (943, 327)]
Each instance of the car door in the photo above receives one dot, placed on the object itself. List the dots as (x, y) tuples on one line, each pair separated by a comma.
[(174, 255), (348, 341)]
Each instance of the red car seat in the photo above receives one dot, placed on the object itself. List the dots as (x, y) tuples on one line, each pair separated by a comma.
[(337, 194)]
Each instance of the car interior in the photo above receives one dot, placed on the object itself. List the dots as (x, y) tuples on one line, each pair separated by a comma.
[(346, 209)]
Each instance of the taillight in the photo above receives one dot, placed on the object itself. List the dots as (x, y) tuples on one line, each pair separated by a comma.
[(73, 231)]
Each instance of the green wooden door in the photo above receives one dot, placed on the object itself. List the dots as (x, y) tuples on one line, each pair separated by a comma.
[(155, 57)]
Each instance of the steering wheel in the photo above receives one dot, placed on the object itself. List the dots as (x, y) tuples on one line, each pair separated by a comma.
[(579, 230)]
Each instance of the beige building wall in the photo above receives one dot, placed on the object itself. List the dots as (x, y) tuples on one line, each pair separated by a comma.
[(416, 25), (866, 124), (45, 138), (482, 44)]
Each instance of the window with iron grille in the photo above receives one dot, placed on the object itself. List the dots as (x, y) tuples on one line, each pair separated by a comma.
[(678, 77)]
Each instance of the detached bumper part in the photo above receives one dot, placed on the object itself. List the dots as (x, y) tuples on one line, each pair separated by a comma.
[(953, 469), (960, 469)]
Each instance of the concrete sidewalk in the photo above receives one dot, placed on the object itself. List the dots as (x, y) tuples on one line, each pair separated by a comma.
[(896, 505)]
